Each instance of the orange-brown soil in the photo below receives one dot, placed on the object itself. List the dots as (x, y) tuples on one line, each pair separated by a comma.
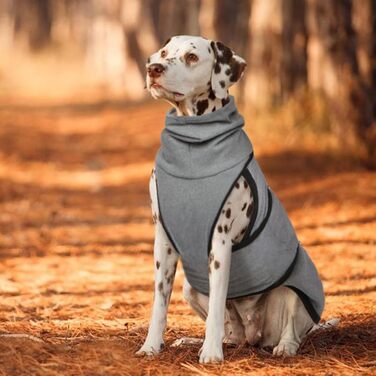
[(76, 239)]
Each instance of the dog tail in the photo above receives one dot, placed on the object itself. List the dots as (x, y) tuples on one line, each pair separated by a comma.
[(325, 325)]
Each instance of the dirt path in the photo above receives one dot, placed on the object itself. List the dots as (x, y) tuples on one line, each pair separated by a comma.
[(76, 250)]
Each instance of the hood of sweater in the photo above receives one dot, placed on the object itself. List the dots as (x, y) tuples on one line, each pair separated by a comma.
[(194, 147)]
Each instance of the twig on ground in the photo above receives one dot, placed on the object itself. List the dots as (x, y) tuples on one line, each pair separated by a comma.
[(22, 336)]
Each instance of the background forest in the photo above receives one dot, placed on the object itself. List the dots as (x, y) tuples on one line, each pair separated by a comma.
[(301, 50)]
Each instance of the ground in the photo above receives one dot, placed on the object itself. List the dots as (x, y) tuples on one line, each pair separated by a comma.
[(76, 235)]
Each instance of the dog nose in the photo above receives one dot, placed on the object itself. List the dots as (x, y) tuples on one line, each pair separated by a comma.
[(155, 70)]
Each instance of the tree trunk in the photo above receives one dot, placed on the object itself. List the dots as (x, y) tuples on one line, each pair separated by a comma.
[(33, 22), (333, 48), (294, 47), (108, 50), (364, 22), (171, 17), (263, 85)]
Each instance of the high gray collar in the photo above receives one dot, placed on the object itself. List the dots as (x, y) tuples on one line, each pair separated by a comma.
[(201, 146)]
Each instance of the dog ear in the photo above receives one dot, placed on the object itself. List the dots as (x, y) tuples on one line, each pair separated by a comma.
[(228, 68)]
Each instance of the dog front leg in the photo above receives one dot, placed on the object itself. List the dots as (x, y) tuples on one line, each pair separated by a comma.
[(219, 273), (165, 262)]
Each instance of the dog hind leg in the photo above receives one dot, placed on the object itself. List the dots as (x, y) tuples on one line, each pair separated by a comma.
[(286, 322)]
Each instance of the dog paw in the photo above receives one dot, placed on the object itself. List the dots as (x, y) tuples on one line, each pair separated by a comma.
[(210, 354), (285, 349), (150, 350)]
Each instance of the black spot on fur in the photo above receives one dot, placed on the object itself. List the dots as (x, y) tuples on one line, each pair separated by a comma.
[(202, 106), (224, 56), (223, 242), (211, 257), (225, 228), (244, 206), (148, 60), (219, 228), (222, 83), (226, 53), (249, 210), (217, 68), (214, 108), (217, 264), (225, 101), (211, 94), (243, 230), (245, 184), (228, 213), (157, 264), (237, 185), (171, 60), (236, 70), (209, 50), (169, 251), (160, 286)]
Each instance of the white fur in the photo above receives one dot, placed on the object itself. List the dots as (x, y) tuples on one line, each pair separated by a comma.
[(166, 258)]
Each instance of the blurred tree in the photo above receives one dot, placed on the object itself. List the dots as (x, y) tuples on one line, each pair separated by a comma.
[(263, 84), (33, 21), (294, 47), (170, 17), (350, 99), (364, 21)]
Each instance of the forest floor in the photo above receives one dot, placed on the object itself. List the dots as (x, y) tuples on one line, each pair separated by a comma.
[(76, 239)]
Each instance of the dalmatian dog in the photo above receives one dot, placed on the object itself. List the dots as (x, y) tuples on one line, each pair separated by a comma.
[(194, 74)]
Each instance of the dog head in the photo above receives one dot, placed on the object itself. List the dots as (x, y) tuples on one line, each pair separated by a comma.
[(187, 66)]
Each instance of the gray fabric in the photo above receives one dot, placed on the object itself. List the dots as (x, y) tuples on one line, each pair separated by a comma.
[(200, 160)]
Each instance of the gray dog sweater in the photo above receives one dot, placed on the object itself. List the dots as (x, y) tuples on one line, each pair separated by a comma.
[(197, 166)]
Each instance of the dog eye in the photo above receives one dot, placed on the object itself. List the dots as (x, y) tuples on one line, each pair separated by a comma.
[(191, 58), (163, 54)]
